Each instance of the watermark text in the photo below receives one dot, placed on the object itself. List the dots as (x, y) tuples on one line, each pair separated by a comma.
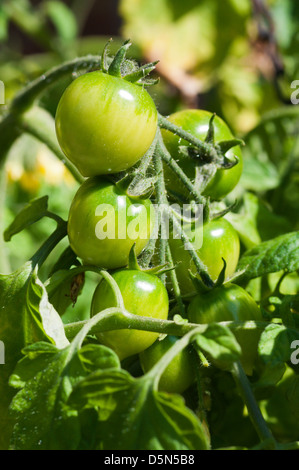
[(2, 93), (2, 353), (135, 222)]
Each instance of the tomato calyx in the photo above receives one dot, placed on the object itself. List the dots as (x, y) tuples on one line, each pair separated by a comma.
[(220, 161), (135, 266), (121, 67), (137, 187)]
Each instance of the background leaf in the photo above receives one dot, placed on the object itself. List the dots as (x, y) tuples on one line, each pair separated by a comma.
[(42, 419), (145, 419), (30, 214), (281, 253)]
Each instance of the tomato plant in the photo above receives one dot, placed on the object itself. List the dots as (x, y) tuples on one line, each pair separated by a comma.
[(82, 361), (219, 241), (179, 375), (230, 302), (145, 295), (104, 223), (105, 124), (196, 122)]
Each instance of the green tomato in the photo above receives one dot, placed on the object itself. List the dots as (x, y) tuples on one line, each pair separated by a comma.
[(144, 294), (105, 124), (230, 302), (196, 122), (104, 223), (219, 241), (179, 375)]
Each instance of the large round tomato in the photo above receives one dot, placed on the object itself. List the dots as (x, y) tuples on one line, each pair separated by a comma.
[(104, 223), (144, 294), (230, 302), (196, 122), (216, 240), (105, 124), (179, 374)]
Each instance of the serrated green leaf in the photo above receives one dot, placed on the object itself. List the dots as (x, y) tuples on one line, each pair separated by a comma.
[(31, 213), (275, 343), (144, 419), (42, 419), (25, 316), (256, 222), (281, 253), (220, 344), (64, 288)]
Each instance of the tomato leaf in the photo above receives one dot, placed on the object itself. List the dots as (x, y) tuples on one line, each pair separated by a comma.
[(255, 222), (64, 288), (42, 419), (25, 316), (220, 344), (275, 343), (31, 213), (144, 418), (278, 254)]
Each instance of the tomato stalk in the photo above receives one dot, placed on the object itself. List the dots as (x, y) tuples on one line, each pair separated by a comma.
[(254, 412), (157, 370), (206, 148), (125, 320), (162, 203), (164, 249), (208, 153), (27, 96), (4, 262), (48, 246), (167, 158)]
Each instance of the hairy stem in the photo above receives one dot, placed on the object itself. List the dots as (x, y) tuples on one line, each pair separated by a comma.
[(254, 412), (48, 246), (26, 97), (207, 149)]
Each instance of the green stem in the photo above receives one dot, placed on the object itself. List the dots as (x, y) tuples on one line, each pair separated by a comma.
[(167, 158), (174, 282), (9, 132), (4, 262), (162, 203), (200, 267), (134, 322), (255, 414), (42, 254), (207, 149), (158, 369), (26, 97), (109, 315)]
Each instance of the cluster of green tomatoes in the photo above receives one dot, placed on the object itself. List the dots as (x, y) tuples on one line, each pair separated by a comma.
[(105, 124)]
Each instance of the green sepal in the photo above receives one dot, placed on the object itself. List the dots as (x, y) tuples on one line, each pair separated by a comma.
[(133, 261), (137, 188), (104, 58), (210, 138), (115, 66), (141, 72), (148, 82), (157, 270), (225, 211), (228, 164), (221, 278), (226, 145), (201, 285)]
